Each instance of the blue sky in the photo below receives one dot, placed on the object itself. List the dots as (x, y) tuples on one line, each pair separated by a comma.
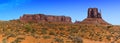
[(76, 9)]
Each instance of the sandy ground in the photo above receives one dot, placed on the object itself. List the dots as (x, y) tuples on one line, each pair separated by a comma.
[(90, 41), (30, 39)]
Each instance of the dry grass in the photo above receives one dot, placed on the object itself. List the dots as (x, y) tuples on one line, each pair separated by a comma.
[(57, 32)]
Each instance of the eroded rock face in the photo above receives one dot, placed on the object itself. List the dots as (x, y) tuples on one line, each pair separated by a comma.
[(93, 13), (44, 18), (94, 17)]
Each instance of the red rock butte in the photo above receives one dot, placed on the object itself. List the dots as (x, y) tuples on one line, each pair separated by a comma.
[(44, 18), (94, 17)]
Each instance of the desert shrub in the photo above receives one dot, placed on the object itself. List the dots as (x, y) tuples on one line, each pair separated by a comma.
[(58, 40), (4, 40), (37, 36), (46, 37), (61, 34), (33, 31), (52, 42), (18, 40), (28, 28), (52, 33), (108, 37), (44, 31), (113, 42), (61, 28), (117, 37), (68, 41), (73, 30), (10, 35), (100, 38), (83, 30), (109, 26), (77, 40)]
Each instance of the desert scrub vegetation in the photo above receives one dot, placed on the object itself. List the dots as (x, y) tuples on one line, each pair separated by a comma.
[(46, 36), (75, 39), (58, 40), (18, 40), (28, 28), (43, 30), (92, 32), (4, 40), (52, 33)]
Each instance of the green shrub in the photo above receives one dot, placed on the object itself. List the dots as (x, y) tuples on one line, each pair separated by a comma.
[(61, 29), (44, 31), (108, 37), (28, 28), (109, 26), (52, 33), (4, 40), (59, 40), (46, 37), (77, 40), (18, 40)]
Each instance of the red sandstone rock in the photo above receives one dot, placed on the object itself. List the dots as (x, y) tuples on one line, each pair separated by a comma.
[(94, 17), (77, 22), (44, 18), (93, 13)]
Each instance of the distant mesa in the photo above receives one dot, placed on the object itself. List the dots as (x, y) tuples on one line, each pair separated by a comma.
[(94, 17), (77, 22), (44, 18)]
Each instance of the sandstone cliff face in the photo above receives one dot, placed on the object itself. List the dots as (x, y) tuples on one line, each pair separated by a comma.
[(94, 17), (93, 13), (44, 18)]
